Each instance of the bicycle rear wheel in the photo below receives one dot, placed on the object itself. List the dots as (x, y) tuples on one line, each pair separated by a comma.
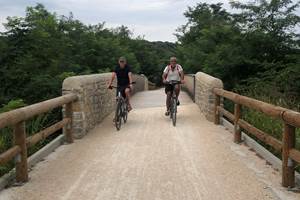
[(118, 116), (125, 112), (174, 111)]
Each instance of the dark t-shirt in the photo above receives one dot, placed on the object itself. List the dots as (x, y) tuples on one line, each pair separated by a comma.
[(122, 75)]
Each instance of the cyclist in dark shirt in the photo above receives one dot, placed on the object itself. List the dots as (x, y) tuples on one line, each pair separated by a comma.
[(124, 79)]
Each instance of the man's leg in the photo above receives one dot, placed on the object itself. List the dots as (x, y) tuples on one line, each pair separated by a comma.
[(177, 91), (168, 91), (127, 93), (168, 100), (117, 93)]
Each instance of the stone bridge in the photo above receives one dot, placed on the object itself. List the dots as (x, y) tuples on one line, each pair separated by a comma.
[(149, 158)]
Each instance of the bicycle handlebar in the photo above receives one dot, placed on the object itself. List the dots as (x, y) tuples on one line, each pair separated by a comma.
[(173, 82), (112, 86)]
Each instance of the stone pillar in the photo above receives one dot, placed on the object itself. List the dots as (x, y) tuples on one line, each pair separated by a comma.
[(95, 101), (204, 96), (189, 85)]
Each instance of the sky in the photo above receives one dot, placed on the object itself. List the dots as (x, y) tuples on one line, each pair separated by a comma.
[(156, 20)]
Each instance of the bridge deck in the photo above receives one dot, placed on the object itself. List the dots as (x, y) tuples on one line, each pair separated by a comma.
[(150, 159)]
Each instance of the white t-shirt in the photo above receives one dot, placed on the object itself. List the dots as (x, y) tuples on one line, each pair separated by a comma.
[(173, 75)]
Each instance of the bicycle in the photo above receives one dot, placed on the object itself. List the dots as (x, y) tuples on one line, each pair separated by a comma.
[(173, 103), (121, 109)]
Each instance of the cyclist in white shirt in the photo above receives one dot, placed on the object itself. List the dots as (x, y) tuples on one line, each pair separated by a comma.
[(172, 72)]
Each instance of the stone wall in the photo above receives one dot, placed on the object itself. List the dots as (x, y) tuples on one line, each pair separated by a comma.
[(151, 86), (189, 85), (141, 83), (204, 95), (95, 101)]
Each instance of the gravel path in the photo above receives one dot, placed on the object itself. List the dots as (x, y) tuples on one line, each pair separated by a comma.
[(150, 159)]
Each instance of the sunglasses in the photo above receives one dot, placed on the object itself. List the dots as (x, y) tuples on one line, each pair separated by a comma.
[(121, 61)]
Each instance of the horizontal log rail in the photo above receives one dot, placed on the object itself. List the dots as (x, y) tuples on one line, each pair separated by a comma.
[(17, 118), (290, 119), (295, 155), (9, 154), (226, 113), (25, 113), (288, 116), (262, 136), (35, 138)]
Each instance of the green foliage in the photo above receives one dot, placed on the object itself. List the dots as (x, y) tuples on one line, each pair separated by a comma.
[(14, 104), (42, 48), (5, 133), (263, 122), (210, 42), (32, 126), (258, 43), (153, 57), (65, 75)]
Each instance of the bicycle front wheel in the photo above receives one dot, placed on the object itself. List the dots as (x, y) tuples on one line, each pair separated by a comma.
[(118, 116), (125, 112), (174, 111)]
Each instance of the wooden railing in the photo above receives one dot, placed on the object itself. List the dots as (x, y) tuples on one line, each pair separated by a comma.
[(291, 120), (17, 118)]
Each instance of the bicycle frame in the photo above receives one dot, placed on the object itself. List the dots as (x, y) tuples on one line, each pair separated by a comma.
[(121, 108), (173, 103)]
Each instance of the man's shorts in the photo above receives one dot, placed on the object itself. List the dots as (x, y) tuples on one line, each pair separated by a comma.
[(122, 90), (169, 88)]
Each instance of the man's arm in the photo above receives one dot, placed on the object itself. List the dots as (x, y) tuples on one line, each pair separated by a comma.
[(164, 75), (130, 78), (182, 76), (113, 76)]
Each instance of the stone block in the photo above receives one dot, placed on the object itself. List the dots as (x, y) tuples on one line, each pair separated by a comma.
[(204, 96), (95, 102)]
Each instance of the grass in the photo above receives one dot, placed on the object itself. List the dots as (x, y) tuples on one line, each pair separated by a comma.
[(269, 125), (32, 126), (273, 127)]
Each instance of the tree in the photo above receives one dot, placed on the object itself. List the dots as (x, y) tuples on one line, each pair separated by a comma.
[(210, 42), (255, 46), (39, 49), (268, 29), (270, 25)]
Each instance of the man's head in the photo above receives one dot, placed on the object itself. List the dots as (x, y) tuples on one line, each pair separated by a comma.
[(122, 62), (173, 61)]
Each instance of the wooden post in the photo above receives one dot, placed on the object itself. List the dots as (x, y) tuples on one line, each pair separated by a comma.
[(237, 130), (68, 129), (217, 113), (21, 161), (288, 166)]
